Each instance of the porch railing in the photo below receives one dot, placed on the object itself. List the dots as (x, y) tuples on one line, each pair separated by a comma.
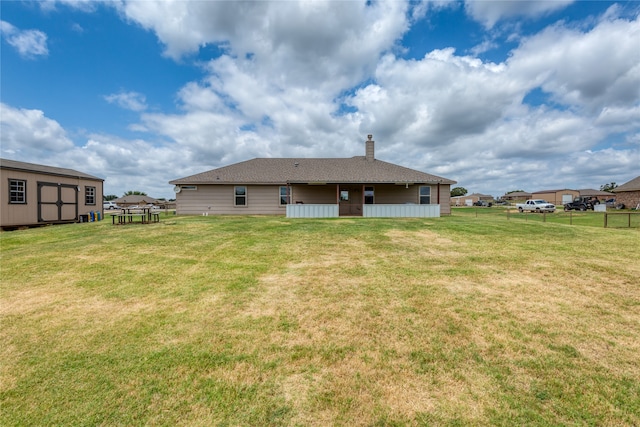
[(401, 211), (369, 211), (312, 211)]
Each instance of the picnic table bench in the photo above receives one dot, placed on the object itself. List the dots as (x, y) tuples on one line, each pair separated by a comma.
[(127, 216)]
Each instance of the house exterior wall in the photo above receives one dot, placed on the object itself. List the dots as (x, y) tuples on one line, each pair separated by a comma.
[(17, 214), (631, 199), (219, 200), (556, 197), (462, 200), (314, 194), (265, 199)]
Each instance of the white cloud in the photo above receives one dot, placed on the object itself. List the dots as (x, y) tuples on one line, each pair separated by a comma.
[(29, 43), (488, 12), (292, 43), (592, 70), (312, 79), (29, 131), (133, 101)]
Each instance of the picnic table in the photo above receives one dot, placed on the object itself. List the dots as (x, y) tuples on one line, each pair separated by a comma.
[(129, 216)]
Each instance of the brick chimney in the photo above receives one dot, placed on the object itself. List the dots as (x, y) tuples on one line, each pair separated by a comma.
[(368, 152)]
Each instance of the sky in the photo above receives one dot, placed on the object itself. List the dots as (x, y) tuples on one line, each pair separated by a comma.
[(496, 95)]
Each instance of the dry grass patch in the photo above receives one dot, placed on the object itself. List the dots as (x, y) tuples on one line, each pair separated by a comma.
[(265, 321)]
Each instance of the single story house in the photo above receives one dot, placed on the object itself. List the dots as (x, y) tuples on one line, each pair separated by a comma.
[(629, 193), (136, 200), (470, 199), (517, 196), (35, 194), (557, 197), (315, 188), (598, 194)]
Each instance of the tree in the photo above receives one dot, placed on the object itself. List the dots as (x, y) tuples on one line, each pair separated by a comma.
[(458, 191), (109, 197), (135, 193), (515, 191), (608, 187)]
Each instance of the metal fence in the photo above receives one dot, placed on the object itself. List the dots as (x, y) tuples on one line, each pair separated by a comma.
[(609, 219)]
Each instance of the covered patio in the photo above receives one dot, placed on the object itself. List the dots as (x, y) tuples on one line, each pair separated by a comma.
[(332, 200)]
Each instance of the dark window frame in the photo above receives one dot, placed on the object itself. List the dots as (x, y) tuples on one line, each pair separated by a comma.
[(17, 196), (89, 198), (424, 199), (284, 199), (369, 199), (240, 197)]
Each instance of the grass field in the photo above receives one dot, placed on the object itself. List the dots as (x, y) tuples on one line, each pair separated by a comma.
[(460, 320)]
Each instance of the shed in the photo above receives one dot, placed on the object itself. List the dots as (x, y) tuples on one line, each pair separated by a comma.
[(34, 194)]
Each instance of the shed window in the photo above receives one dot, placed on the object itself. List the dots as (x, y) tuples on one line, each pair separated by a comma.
[(89, 195), (240, 195), (425, 195), (368, 195), (284, 195), (17, 191)]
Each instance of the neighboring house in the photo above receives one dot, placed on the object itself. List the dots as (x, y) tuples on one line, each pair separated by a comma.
[(557, 197), (328, 187), (37, 194), (629, 193), (598, 194), (517, 196), (136, 200), (470, 199)]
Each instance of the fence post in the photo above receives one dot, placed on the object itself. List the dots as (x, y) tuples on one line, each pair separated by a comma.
[(606, 216), (629, 219)]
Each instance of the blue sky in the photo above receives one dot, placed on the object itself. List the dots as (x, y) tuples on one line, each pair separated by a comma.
[(497, 95)]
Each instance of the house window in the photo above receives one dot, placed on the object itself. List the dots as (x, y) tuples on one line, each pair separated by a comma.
[(240, 195), (189, 187), (89, 195), (284, 195), (368, 195), (17, 191), (425, 195)]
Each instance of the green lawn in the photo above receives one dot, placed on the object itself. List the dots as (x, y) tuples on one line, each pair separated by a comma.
[(461, 320)]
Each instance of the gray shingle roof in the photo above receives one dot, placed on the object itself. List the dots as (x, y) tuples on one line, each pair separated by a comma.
[(136, 199), (633, 185), (48, 170), (328, 170), (592, 192)]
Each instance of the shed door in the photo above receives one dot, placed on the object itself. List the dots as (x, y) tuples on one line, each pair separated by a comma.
[(57, 202), (350, 199)]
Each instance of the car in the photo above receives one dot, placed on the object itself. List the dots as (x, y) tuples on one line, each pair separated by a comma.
[(536, 205), (610, 202), (582, 203), (110, 205)]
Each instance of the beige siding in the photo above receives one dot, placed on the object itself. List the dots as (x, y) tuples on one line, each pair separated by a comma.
[(444, 197), (27, 214), (314, 194), (555, 197), (219, 200)]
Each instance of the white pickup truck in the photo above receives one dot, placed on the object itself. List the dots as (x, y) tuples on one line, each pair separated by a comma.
[(536, 205)]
